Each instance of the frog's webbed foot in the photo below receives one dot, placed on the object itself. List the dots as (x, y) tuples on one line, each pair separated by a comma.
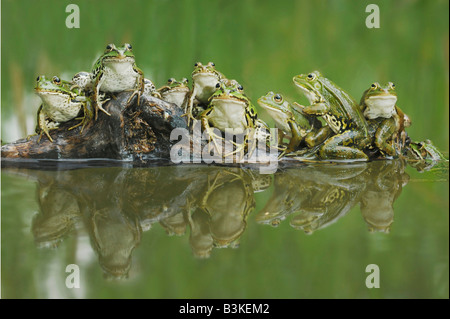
[(100, 101), (214, 137), (239, 149), (30, 136), (46, 132), (190, 117)]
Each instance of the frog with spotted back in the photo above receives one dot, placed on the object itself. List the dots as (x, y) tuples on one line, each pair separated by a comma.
[(59, 104), (175, 91), (116, 71), (204, 80), (292, 123), (345, 122), (231, 109), (386, 120)]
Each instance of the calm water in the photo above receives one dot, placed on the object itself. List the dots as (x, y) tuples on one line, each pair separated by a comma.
[(217, 232)]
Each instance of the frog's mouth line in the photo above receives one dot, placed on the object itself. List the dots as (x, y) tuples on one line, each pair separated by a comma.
[(231, 99), (53, 92), (125, 59)]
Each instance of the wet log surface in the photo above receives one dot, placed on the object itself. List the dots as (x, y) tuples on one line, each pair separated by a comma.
[(134, 133)]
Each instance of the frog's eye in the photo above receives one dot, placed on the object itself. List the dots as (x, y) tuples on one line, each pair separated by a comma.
[(374, 85), (211, 64), (311, 76), (38, 78), (217, 85), (128, 46), (277, 98), (184, 80), (240, 88), (109, 47), (392, 85), (197, 64), (170, 80), (56, 80)]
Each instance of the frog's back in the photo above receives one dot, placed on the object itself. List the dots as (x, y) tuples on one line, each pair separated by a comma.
[(348, 108)]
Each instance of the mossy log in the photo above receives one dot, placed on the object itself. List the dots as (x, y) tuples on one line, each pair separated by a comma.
[(134, 132)]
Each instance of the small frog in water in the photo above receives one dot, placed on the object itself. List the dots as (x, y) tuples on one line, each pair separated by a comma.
[(342, 114), (204, 79), (116, 71), (292, 123), (175, 91), (386, 120), (60, 104)]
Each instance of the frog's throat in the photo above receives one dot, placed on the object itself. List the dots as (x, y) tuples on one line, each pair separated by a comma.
[(310, 94), (205, 79), (278, 115), (380, 106)]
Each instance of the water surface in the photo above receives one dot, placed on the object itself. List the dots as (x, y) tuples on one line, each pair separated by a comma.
[(222, 232)]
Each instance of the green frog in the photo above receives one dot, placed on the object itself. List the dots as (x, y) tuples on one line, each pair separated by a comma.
[(116, 71), (423, 155), (292, 123), (345, 120), (204, 79), (229, 108), (59, 104), (175, 91), (386, 120), (150, 88)]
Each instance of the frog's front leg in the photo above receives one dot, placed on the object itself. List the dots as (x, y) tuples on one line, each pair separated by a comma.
[(315, 138), (97, 100), (87, 114), (210, 131), (42, 125), (189, 103), (343, 146), (296, 137), (317, 109), (140, 85), (384, 133)]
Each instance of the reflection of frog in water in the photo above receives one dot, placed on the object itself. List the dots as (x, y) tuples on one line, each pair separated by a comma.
[(227, 201), (316, 196), (385, 182)]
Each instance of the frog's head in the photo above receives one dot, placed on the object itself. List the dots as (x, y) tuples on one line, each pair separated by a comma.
[(205, 71), (149, 87), (310, 85), (379, 100), (172, 83), (230, 90), (51, 86), (274, 103), (115, 54)]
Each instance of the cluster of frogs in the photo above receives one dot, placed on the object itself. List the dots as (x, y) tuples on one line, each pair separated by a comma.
[(334, 125)]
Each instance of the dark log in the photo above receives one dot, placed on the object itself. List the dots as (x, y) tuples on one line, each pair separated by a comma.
[(136, 133)]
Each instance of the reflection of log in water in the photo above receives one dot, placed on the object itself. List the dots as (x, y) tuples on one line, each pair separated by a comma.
[(116, 204)]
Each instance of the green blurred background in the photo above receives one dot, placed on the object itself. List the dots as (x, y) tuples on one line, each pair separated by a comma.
[(261, 43)]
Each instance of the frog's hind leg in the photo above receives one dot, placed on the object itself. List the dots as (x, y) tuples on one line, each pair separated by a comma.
[(189, 105), (383, 135), (97, 97), (343, 147), (140, 87)]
